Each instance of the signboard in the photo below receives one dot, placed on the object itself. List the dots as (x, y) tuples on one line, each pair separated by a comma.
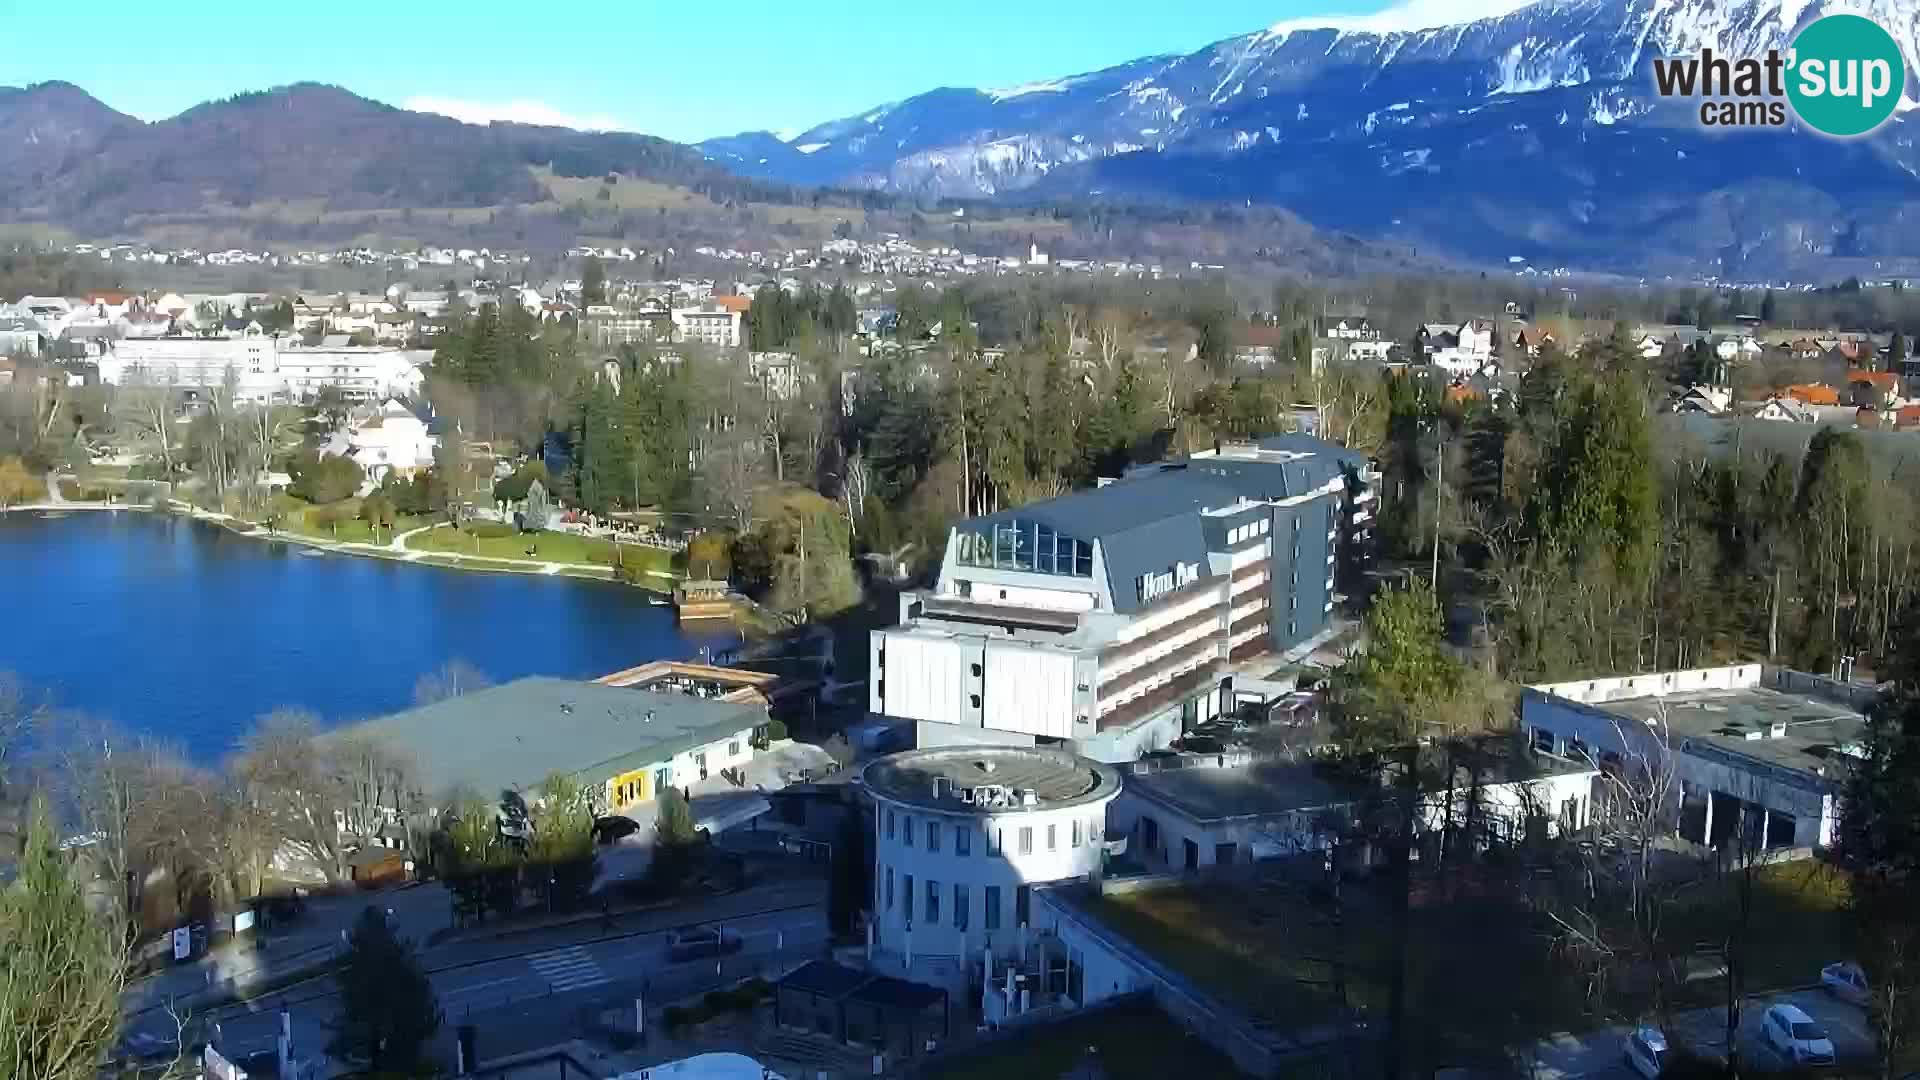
[(1178, 576), (217, 1067), (182, 943)]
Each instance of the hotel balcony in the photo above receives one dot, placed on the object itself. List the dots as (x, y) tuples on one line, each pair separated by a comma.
[(1181, 688)]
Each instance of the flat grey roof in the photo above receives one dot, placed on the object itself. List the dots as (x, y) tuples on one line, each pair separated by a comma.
[(1214, 794), (1057, 778), (516, 735), (1816, 728)]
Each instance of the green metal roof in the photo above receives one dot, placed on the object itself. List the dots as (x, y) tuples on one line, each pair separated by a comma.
[(516, 735)]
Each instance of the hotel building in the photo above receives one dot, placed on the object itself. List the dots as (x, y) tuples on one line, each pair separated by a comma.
[(1109, 620)]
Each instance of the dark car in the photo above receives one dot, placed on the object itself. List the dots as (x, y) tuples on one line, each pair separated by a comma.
[(699, 944), (1203, 744), (608, 829)]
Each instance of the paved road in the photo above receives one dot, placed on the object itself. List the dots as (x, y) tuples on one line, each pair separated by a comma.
[(1598, 1054), (535, 974)]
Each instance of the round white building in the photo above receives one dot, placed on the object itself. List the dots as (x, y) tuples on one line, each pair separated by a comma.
[(962, 834)]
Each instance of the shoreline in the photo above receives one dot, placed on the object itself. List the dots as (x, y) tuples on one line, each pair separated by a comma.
[(390, 552)]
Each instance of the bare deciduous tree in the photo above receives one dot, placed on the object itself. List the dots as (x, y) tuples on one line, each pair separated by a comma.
[(144, 407), (449, 680), (856, 483), (1614, 917), (283, 770)]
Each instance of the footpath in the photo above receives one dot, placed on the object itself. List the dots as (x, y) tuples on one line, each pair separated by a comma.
[(395, 548)]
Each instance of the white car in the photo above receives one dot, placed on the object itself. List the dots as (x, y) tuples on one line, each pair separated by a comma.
[(1845, 981), (1792, 1034), (1646, 1051)]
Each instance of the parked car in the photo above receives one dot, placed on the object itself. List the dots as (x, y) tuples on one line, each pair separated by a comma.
[(700, 944), (1202, 744), (1646, 1051), (1845, 981), (607, 830), (1792, 1034)]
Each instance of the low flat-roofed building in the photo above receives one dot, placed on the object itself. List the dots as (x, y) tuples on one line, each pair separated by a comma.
[(1751, 746), (892, 1016), (627, 745), (1190, 818), (1200, 813)]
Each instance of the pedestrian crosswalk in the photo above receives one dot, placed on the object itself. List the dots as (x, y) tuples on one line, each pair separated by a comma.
[(568, 969)]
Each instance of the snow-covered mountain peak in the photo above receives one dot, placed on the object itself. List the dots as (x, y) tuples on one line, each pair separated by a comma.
[(1310, 112)]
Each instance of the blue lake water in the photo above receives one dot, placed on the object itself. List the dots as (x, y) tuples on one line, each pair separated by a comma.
[(188, 632)]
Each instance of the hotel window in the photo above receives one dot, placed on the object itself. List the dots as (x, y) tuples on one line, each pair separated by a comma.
[(1076, 832), (960, 907), (992, 903), (906, 830), (889, 888), (906, 897), (962, 839), (933, 902), (933, 835), (1026, 839), (733, 748), (889, 824), (1052, 833), (996, 843)]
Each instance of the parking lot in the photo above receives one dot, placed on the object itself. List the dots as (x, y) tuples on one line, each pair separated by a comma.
[(1597, 1055)]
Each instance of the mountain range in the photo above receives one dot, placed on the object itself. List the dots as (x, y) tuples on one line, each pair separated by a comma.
[(1530, 138), (1534, 136), (68, 159)]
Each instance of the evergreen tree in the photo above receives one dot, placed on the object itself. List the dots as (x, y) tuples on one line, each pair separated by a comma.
[(1880, 849), (60, 984), (840, 316), (600, 450), (387, 1006), (538, 509), (593, 281)]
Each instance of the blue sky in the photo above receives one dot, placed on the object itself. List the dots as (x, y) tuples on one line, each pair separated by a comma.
[(685, 71)]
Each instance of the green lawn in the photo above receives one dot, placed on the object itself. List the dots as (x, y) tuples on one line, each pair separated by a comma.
[(500, 542), (1133, 1041), (1479, 973), (304, 519), (1479, 977), (1799, 923)]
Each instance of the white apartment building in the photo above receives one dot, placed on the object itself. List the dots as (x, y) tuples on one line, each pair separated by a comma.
[(197, 363), (264, 368), (1110, 620), (361, 374), (963, 834), (711, 323)]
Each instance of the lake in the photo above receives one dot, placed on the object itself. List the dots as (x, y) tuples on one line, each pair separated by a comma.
[(183, 630)]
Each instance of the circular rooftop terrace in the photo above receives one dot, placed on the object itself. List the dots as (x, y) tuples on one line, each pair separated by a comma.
[(991, 779)]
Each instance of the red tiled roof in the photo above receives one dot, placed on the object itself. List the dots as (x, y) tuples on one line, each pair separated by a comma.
[(1885, 380), (1814, 394), (741, 304)]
